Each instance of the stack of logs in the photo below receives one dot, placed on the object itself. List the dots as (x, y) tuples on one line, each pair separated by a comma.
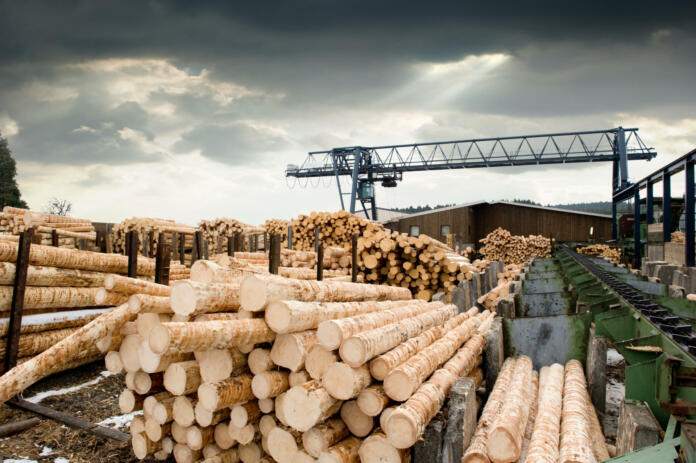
[(243, 366), (514, 249), (423, 264), (64, 291), (335, 229), (602, 250), (147, 226), (546, 416), (69, 230), (216, 232), (678, 237), (502, 289), (278, 227), (258, 263)]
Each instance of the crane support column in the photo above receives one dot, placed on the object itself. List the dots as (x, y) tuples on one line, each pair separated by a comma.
[(689, 214), (636, 229), (666, 207)]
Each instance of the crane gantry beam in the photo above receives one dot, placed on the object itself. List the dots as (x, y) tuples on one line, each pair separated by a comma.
[(386, 164)]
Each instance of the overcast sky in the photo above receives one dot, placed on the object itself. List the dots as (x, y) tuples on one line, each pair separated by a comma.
[(192, 110)]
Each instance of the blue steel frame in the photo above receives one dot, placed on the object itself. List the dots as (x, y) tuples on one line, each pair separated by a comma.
[(373, 164), (664, 174)]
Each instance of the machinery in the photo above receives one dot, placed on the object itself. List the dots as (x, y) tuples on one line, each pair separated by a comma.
[(386, 164)]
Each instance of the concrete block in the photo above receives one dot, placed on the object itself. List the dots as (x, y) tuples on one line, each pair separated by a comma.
[(478, 282), (597, 370), (654, 280), (506, 307), (473, 292), (495, 353), (637, 428), (676, 292), (461, 420), (651, 267), (679, 278), (461, 297), (440, 297), (493, 277), (515, 287), (691, 280), (665, 272), (429, 448)]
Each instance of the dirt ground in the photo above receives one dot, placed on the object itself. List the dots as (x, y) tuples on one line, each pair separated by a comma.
[(93, 403)]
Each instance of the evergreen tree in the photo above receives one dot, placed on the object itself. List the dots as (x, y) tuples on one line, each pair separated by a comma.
[(9, 191)]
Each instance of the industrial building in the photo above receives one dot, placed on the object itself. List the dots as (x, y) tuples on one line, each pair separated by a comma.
[(472, 221)]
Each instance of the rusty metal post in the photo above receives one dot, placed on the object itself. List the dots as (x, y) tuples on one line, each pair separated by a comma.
[(17, 307)]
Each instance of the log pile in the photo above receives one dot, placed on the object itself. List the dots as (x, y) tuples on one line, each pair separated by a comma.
[(70, 230), (147, 225), (278, 227), (500, 244), (502, 289), (216, 232), (335, 229), (602, 250), (263, 367), (544, 417), (422, 264), (678, 237)]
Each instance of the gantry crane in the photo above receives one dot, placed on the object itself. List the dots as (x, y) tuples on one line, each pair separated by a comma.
[(386, 164)]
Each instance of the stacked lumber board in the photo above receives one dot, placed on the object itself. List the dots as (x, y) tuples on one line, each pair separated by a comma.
[(14, 220), (500, 244), (265, 368), (216, 232), (335, 229), (422, 264), (146, 225), (538, 417), (602, 250)]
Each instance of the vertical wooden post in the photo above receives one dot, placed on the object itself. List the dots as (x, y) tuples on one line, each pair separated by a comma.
[(265, 242), (230, 245), (133, 245), (108, 242), (182, 248), (54, 238), (175, 247), (101, 242), (218, 249), (162, 259), (239, 242), (196, 251), (290, 237), (354, 257), (17, 307), (316, 240), (205, 249), (250, 239), (151, 244), (320, 262), (274, 257)]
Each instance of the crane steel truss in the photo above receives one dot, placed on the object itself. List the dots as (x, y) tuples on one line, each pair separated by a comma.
[(386, 164)]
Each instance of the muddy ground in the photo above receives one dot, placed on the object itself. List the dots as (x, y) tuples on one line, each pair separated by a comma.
[(93, 403)]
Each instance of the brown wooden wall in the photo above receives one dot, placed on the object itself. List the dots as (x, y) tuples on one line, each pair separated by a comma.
[(470, 224)]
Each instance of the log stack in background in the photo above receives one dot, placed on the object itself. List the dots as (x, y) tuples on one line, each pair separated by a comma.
[(335, 229), (216, 231), (514, 249), (544, 417), (602, 250), (422, 264), (14, 221), (146, 225), (278, 227), (502, 289)]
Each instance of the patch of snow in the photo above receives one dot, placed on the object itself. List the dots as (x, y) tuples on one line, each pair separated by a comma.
[(67, 390), (615, 393), (120, 421), (614, 358), (54, 317), (61, 460), (46, 452)]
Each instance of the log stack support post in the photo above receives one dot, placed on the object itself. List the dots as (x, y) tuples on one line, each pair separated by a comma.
[(17, 306), (151, 244), (22, 266), (320, 261), (197, 249), (230, 246), (316, 240), (132, 250), (175, 247), (290, 237), (354, 257), (182, 248), (162, 259), (274, 255), (265, 241), (54, 238)]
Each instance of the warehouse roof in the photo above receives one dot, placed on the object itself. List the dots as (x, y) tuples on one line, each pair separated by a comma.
[(384, 215), (510, 203)]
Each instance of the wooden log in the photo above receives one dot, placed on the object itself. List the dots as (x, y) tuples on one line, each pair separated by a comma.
[(80, 260), (189, 337), (318, 359), (576, 442), (543, 446), (163, 411), (185, 454), (345, 451), (222, 436), (189, 297), (147, 303), (405, 379), (372, 400), (54, 321), (148, 383), (269, 384), (205, 417), (533, 395), (125, 285), (182, 378), (283, 444), (112, 361), (154, 430), (324, 435), (306, 405), (215, 396), (358, 423), (506, 436), (178, 432), (249, 453), (290, 350), (52, 276), (344, 382), (260, 360), (296, 378), (332, 333), (197, 437), (153, 363), (294, 316), (377, 448), (77, 345), (143, 446), (44, 297), (362, 347), (243, 414), (258, 290), (226, 456), (183, 411), (218, 364), (32, 344), (18, 426)]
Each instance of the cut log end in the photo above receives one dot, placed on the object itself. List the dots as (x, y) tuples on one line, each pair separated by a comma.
[(159, 339), (502, 447), (353, 352), (329, 336), (377, 448), (401, 430), (253, 294), (399, 386), (183, 299), (281, 444), (278, 316)]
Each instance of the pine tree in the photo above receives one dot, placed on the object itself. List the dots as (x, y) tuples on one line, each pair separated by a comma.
[(9, 191)]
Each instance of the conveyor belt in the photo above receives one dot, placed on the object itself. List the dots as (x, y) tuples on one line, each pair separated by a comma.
[(670, 325)]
